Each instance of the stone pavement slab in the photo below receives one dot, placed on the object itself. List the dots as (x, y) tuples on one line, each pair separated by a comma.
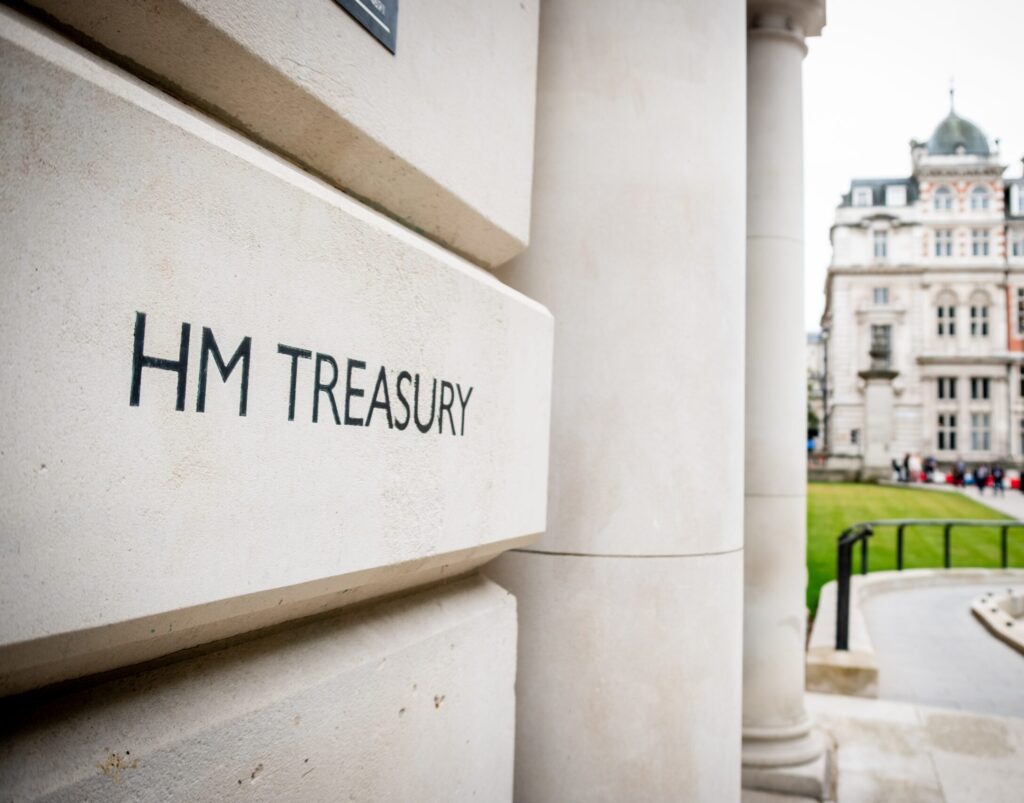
[(897, 751)]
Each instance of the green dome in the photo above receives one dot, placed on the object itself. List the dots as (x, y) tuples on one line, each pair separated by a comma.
[(955, 131)]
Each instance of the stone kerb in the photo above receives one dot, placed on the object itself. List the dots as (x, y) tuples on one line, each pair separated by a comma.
[(855, 671), (1002, 614)]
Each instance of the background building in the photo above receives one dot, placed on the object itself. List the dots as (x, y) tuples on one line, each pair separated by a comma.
[(929, 269), (816, 388)]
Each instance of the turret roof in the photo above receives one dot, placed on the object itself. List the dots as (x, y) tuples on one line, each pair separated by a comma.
[(955, 132)]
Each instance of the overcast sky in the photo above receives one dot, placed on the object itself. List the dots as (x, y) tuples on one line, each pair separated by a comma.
[(879, 77)]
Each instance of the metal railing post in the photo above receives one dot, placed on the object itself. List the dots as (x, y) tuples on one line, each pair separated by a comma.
[(1003, 550), (899, 547), (843, 593)]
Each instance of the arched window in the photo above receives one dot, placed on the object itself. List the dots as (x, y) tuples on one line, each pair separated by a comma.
[(979, 199), (945, 314), (943, 200), (980, 304)]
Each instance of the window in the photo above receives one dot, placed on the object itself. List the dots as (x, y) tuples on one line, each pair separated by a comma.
[(979, 320), (896, 195), (979, 199), (943, 242), (943, 200), (1017, 242), (979, 242), (979, 387), (980, 432), (946, 316), (881, 340), (854, 436), (863, 196), (1020, 310), (881, 295), (1017, 199), (1020, 388), (947, 432), (881, 241), (947, 387)]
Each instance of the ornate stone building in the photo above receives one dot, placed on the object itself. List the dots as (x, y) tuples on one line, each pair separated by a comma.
[(929, 268), (295, 577)]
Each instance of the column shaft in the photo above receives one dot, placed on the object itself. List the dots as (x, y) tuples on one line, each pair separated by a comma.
[(776, 727), (630, 606)]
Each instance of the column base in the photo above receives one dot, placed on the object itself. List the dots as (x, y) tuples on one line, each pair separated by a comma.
[(798, 763)]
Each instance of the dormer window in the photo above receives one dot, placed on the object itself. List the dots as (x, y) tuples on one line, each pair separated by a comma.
[(862, 196), (943, 200), (979, 199), (896, 195)]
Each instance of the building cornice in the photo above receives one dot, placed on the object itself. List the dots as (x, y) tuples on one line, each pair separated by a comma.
[(973, 272), (952, 172), (1003, 359), (865, 222)]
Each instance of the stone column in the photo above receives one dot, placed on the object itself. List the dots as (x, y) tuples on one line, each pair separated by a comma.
[(776, 728), (630, 606)]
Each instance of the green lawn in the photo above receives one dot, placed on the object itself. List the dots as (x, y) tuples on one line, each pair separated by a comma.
[(832, 507)]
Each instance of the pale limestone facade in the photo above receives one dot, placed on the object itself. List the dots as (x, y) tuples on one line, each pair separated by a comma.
[(293, 329), (934, 263)]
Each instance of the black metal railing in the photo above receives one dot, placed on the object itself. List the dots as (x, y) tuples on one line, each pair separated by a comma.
[(862, 532)]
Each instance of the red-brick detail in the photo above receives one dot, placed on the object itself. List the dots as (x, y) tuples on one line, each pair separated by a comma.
[(1014, 342)]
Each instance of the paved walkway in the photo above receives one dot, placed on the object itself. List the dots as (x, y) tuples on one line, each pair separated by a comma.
[(1011, 503), (890, 752), (905, 753), (931, 650)]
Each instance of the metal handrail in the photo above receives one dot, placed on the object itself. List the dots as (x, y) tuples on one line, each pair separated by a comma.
[(862, 532)]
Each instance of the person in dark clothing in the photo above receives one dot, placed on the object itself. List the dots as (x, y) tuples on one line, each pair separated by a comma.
[(929, 468), (905, 474), (997, 480), (959, 470), (981, 478)]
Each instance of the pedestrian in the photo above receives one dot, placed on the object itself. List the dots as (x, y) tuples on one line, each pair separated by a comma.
[(905, 475), (981, 478), (997, 480), (959, 470), (929, 469)]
